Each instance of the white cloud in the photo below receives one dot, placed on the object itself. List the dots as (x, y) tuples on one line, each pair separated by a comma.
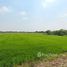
[(25, 18), (49, 1), (46, 3), (23, 13), (64, 15), (4, 9)]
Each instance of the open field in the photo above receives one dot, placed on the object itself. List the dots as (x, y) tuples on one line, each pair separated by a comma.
[(16, 48)]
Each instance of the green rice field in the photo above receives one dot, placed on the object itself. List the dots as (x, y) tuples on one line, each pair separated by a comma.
[(16, 48)]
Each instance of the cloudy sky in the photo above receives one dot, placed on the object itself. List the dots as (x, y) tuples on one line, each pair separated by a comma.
[(32, 15)]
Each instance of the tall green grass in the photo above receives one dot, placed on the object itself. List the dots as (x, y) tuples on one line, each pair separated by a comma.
[(16, 48)]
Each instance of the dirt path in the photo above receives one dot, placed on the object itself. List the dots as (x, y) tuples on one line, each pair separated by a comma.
[(57, 62)]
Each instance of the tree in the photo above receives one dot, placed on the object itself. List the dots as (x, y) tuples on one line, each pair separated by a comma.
[(61, 32), (48, 32)]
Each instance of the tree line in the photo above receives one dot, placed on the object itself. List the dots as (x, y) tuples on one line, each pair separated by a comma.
[(60, 32)]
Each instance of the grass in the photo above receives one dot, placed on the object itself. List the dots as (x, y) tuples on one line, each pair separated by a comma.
[(16, 48)]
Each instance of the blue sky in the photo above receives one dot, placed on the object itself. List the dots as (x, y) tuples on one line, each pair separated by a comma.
[(32, 15)]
